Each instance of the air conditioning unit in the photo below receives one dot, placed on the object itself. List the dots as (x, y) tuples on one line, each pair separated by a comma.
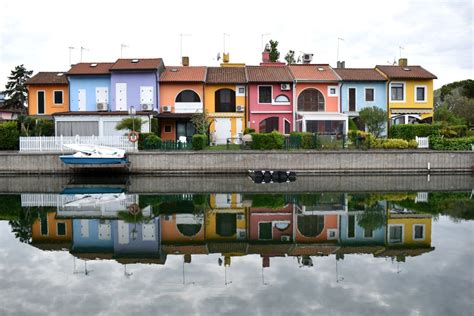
[(147, 107), (241, 234), (285, 86), (168, 217), (166, 108), (307, 58), (240, 108), (285, 238), (240, 217), (101, 106)]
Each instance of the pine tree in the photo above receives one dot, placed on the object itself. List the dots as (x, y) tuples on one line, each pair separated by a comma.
[(16, 92), (274, 53)]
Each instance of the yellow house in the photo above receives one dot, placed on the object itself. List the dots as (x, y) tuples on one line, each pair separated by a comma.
[(225, 102), (226, 220), (409, 93), (409, 230), (49, 233), (48, 93)]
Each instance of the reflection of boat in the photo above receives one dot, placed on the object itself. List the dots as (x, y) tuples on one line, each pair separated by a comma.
[(94, 155), (88, 200)]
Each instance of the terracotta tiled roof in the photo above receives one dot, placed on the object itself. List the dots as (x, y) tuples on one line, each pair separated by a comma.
[(185, 249), (406, 72), (90, 69), (359, 74), (112, 113), (55, 77), (183, 74), (313, 250), (226, 75), (312, 72), (268, 74), (137, 64)]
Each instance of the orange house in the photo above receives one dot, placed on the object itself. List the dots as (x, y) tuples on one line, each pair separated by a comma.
[(49, 233), (181, 96), (48, 93)]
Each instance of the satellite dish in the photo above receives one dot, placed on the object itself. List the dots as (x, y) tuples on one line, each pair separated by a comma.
[(218, 56)]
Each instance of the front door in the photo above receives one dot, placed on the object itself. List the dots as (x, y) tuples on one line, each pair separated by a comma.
[(81, 99), (121, 96), (40, 102), (223, 130), (185, 129), (352, 99)]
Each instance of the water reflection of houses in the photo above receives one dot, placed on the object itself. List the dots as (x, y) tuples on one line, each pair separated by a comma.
[(49, 233)]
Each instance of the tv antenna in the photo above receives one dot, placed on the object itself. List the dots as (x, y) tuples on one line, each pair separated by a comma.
[(122, 46), (70, 50), (224, 35), (337, 55), (181, 43), (83, 49)]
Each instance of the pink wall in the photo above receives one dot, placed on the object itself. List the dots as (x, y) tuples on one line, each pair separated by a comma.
[(256, 118), (331, 103), (260, 215)]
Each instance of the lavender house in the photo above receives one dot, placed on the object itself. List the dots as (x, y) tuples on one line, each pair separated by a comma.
[(135, 82)]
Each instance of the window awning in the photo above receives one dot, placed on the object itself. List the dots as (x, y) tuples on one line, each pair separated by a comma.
[(411, 111)]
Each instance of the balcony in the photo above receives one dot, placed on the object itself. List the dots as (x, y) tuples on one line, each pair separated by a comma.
[(188, 107)]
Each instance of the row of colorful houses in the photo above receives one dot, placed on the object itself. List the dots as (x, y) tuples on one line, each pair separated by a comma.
[(231, 228), (91, 97)]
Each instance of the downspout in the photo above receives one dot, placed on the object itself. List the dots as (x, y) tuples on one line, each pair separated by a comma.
[(294, 106), (157, 96), (340, 97), (389, 121)]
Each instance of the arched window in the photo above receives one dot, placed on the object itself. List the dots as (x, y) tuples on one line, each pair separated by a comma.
[(310, 225), (188, 96), (189, 229), (268, 125), (311, 100), (225, 100), (282, 98), (226, 224)]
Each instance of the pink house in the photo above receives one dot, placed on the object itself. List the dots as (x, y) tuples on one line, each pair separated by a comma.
[(267, 224), (270, 97)]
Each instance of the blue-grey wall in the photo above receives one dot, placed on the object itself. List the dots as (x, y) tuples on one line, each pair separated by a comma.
[(89, 83), (380, 99)]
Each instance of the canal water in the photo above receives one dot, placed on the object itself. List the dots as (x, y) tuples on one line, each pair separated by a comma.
[(73, 246)]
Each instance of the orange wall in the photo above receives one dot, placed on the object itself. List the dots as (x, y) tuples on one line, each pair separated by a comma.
[(52, 229), (330, 222), (170, 232), (331, 103), (169, 92), (171, 135), (49, 106)]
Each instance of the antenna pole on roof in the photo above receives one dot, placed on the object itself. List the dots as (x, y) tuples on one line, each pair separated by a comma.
[(225, 34), (70, 49), (82, 49), (337, 54), (262, 36), (400, 50), (122, 46), (181, 44)]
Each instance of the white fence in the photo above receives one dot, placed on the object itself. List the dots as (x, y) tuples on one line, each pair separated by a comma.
[(56, 143), (423, 142)]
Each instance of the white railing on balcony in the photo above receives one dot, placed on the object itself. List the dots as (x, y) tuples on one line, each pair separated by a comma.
[(62, 200), (56, 143), (188, 107), (423, 142)]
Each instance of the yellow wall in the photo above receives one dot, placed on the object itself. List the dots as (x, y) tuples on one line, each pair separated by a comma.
[(233, 207), (409, 102), (52, 234), (49, 106), (408, 223)]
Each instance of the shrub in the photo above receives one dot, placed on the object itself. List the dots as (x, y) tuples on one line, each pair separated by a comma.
[(9, 136), (304, 140), (44, 127), (248, 130), (199, 141), (152, 142), (440, 143), (352, 125), (142, 138), (410, 131), (273, 140), (451, 131), (470, 133), (154, 126)]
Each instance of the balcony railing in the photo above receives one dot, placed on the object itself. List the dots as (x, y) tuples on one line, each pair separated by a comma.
[(188, 107)]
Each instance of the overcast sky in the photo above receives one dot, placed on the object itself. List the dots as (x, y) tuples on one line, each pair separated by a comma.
[(435, 34)]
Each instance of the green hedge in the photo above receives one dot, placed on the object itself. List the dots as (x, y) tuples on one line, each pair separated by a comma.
[(9, 136), (440, 143), (352, 125), (452, 131), (273, 140), (142, 138), (393, 143), (44, 127), (152, 142), (470, 133), (199, 141), (248, 130), (305, 139), (410, 131), (155, 127)]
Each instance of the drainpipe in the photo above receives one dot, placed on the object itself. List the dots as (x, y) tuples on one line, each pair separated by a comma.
[(294, 106), (389, 121), (340, 97)]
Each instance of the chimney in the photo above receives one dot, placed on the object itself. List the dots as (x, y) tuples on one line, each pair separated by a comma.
[(225, 58), (341, 64), (185, 61), (403, 62), (266, 54)]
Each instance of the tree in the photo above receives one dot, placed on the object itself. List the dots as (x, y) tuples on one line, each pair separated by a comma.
[(375, 119), (460, 106), (444, 114), (131, 124), (372, 218), (202, 122), (290, 57), (16, 92), (274, 53)]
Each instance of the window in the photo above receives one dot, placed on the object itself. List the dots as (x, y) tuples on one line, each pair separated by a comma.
[(61, 229), (332, 91), (419, 232), (187, 96), (44, 224), (369, 95), (264, 231), (420, 94), (282, 98), (368, 233), (269, 125), (58, 97), (395, 234), (351, 227), (397, 92), (241, 90), (225, 100), (167, 128), (311, 100), (287, 127), (265, 94)]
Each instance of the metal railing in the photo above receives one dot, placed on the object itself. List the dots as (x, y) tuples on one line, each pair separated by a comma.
[(56, 143)]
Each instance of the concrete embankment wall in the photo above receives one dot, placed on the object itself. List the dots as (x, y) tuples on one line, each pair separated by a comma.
[(307, 162)]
